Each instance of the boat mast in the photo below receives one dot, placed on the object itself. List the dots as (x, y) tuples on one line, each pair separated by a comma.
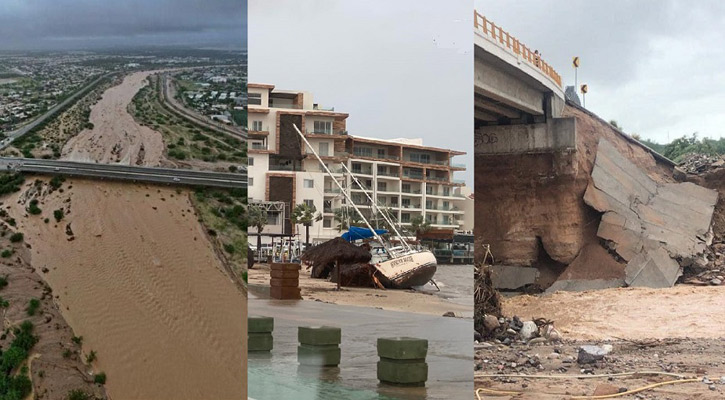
[(375, 206), (377, 237)]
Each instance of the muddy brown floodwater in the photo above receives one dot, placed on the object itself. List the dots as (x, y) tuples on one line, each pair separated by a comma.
[(116, 137), (629, 313), (141, 283)]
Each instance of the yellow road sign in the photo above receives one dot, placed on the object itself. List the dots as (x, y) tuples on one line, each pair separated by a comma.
[(575, 61), (584, 88)]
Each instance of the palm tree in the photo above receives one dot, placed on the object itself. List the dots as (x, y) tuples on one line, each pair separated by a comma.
[(305, 215), (346, 217), (419, 225), (258, 219)]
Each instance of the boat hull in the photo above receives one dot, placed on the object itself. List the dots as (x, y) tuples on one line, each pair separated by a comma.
[(414, 269)]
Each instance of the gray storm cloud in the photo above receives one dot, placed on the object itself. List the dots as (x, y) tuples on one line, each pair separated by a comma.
[(50, 24), (652, 65)]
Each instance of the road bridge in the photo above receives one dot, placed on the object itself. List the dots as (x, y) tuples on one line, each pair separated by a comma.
[(518, 97), (171, 176)]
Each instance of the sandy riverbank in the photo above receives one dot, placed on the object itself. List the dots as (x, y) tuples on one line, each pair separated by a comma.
[(392, 300), (116, 137), (141, 283)]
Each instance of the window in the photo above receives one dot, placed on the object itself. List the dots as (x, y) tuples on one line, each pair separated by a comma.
[(257, 126), (381, 153), (363, 151), (327, 206), (254, 99), (429, 204), (309, 203), (446, 205), (406, 202), (250, 181), (323, 127), (430, 218), (383, 186), (327, 223), (308, 183), (356, 168), (394, 201), (324, 149), (425, 158), (404, 217), (406, 188), (272, 218), (446, 191), (250, 161)]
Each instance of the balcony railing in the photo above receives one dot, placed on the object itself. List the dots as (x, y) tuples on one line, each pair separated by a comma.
[(458, 181), (389, 173), (411, 191), (258, 146), (437, 178), (494, 32), (458, 165), (413, 175), (332, 190)]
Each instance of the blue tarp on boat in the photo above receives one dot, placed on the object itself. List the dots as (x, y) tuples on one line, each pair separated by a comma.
[(357, 233)]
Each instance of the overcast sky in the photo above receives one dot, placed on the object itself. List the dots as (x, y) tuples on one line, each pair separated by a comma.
[(400, 68), (655, 66), (81, 24)]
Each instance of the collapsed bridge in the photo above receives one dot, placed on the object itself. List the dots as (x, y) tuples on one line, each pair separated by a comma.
[(565, 200)]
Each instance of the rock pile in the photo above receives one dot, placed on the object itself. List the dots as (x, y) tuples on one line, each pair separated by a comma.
[(694, 163), (513, 330)]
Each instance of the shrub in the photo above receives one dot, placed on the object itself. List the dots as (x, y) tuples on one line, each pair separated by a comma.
[(78, 394), (17, 237), (33, 305), (6, 253), (100, 378), (91, 356), (58, 214), (77, 339)]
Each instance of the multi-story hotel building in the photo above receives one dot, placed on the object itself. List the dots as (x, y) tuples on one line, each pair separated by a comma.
[(402, 175)]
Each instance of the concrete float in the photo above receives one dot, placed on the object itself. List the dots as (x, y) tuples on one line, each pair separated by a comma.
[(402, 361), (319, 346), (259, 334)]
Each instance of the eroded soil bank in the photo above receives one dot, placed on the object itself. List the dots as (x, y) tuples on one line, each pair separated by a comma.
[(135, 275)]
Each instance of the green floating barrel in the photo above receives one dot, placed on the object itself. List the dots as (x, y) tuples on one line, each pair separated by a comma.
[(402, 361), (319, 346), (260, 333)]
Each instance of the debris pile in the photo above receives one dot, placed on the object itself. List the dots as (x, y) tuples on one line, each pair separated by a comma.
[(508, 331), (352, 260), (695, 163)]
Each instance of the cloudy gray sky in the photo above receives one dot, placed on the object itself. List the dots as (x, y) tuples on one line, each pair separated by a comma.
[(655, 66), (400, 68), (78, 24)]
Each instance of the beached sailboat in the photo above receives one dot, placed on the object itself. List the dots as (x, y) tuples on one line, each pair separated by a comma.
[(400, 267)]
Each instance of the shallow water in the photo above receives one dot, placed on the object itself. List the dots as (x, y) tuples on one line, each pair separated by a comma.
[(449, 356), (455, 283)]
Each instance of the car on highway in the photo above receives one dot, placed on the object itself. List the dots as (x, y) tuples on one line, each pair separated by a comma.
[(177, 179)]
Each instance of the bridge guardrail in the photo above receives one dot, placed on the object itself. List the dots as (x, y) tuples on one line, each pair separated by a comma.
[(496, 33)]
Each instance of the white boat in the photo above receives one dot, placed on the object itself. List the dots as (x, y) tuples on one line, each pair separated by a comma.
[(400, 267)]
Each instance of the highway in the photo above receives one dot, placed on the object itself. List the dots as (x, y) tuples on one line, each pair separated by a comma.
[(177, 108), (169, 176), (11, 136)]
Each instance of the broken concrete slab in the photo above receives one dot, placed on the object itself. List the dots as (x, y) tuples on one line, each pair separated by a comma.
[(512, 277), (648, 223), (580, 285), (653, 269)]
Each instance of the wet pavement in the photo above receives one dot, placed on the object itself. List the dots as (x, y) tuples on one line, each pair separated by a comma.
[(450, 353)]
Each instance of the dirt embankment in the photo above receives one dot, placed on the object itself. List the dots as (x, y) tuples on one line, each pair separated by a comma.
[(55, 363), (530, 208), (134, 274), (115, 136)]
